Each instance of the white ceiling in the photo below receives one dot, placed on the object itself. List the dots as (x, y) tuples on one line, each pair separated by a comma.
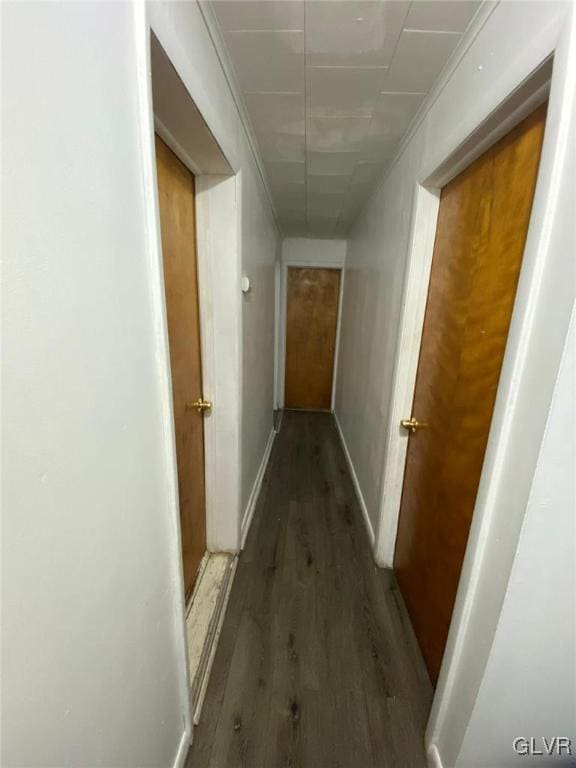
[(330, 87)]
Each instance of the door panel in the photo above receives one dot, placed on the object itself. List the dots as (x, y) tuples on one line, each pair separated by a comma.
[(482, 225), (311, 321), (178, 226)]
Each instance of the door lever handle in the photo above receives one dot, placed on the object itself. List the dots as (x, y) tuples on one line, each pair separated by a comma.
[(200, 405), (412, 424)]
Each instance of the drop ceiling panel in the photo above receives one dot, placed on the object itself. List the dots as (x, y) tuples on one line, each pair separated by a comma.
[(276, 112), (322, 227), (378, 148), (255, 14), (343, 91), (365, 173), (393, 113), (268, 60), (441, 15), (330, 87), (291, 195), (419, 59), (353, 33), (325, 204), (336, 134), (331, 163), (286, 173), (327, 183), (281, 147)]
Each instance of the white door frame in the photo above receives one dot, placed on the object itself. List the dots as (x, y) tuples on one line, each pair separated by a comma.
[(316, 263)]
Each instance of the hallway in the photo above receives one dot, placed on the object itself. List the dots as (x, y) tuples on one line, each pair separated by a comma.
[(317, 665)]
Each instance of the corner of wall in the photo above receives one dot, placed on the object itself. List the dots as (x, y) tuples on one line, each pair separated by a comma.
[(357, 488)]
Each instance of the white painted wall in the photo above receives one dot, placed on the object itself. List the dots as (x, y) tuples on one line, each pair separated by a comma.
[(94, 656), (515, 39), (313, 252), (534, 646), (259, 249), (93, 671)]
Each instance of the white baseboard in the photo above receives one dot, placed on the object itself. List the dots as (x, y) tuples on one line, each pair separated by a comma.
[(357, 488), (251, 506), (434, 759), (183, 748), (220, 614)]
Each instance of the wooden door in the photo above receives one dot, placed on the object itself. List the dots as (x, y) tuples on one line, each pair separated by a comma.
[(178, 226), (311, 322), (482, 226)]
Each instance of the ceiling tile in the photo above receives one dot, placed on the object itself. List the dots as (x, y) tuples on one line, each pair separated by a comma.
[(353, 33), (318, 226), (291, 196), (255, 14), (378, 148), (394, 112), (293, 225), (334, 134), (331, 163), (367, 69), (418, 60), (324, 204), (281, 147), (327, 183), (276, 112), (283, 172), (445, 15), (366, 173), (270, 61), (294, 217), (342, 91)]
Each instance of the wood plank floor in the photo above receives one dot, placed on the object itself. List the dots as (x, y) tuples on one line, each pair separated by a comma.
[(317, 665)]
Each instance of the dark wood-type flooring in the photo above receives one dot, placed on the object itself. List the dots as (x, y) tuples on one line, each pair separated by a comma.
[(317, 665)]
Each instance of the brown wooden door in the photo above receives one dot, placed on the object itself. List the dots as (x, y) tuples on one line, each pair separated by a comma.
[(482, 225), (178, 225), (311, 321)]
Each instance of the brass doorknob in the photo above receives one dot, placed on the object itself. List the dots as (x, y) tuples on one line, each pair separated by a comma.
[(412, 424), (200, 405)]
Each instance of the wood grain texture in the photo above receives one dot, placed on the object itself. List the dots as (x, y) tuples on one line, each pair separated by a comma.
[(482, 226), (311, 322), (178, 227), (317, 665)]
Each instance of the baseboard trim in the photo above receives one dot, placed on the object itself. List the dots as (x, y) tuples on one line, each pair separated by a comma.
[(357, 488), (434, 760), (200, 684), (251, 506), (182, 752)]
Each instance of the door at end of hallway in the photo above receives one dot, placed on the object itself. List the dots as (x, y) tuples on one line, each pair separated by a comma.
[(312, 303)]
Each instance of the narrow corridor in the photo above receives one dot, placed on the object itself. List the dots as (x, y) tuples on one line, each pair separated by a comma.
[(317, 665)]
